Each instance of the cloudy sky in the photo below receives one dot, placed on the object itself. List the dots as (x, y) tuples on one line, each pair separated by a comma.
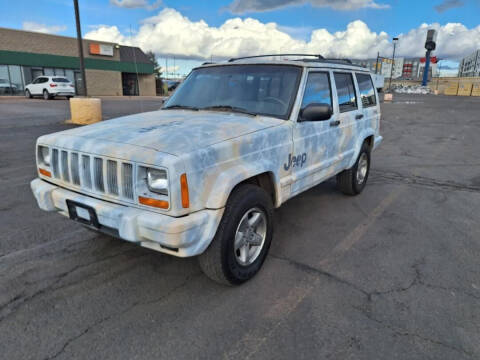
[(192, 31)]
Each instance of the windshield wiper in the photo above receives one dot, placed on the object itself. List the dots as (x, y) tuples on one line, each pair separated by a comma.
[(229, 108), (185, 107)]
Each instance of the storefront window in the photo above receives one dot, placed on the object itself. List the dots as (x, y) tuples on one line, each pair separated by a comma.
[(16, 79), (48, 72), (69, 75), (27, 75), (4, 80), (59, 72)]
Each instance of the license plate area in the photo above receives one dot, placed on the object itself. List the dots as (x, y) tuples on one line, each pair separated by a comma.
[(82, 213)]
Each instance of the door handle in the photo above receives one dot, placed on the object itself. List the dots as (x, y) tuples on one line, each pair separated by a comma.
[(335, 123), (359, 116)]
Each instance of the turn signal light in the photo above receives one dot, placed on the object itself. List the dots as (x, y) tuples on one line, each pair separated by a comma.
[(45, 172), (184, 190), (153, 202)]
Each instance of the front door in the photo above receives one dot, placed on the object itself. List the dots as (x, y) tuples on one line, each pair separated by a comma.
[(313, 141)]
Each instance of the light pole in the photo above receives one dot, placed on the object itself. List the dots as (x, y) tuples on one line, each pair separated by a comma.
[(395, 40), (80, 47)]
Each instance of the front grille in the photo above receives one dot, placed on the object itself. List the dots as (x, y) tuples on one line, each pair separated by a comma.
[(94, 173)]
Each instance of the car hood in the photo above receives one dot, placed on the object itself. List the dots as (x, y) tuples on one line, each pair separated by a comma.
[(175, 131)]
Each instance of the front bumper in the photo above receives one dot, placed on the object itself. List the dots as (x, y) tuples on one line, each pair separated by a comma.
[(183, 236)]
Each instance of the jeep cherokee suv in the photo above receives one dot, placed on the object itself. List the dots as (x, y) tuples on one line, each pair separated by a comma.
[(202, 175)]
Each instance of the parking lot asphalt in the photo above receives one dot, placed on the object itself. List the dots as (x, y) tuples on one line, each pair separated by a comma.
[(390, 274)]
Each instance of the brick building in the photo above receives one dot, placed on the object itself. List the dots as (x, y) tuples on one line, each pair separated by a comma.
[(111, 69)]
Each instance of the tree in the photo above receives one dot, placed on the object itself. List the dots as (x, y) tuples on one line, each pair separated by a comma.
[(156, 68)]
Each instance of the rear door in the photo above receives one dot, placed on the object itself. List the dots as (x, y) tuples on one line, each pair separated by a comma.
[(349, 114), (369, 101)]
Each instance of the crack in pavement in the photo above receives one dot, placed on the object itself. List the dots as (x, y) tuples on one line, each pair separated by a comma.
[(392, 177), (119, 313), (17, 301), (402, 332), (369, 295)]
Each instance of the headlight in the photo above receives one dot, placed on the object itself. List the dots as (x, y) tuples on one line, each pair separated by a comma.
[(44, 155), (157, 181)]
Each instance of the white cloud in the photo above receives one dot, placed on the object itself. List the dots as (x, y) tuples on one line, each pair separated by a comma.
[(42, 28), (171, 33), (137, 4), (244, 6)]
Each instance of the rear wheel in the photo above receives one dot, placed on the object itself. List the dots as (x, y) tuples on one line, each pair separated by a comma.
[(46, 95), (28, 95), (243, 237), (352, 181)]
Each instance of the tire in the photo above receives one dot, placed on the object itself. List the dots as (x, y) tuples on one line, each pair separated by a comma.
[(28, 95), (46, 95), (352, 181), (221, 262), (69, 97)]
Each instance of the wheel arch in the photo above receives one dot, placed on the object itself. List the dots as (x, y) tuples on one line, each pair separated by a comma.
[(231, 179)]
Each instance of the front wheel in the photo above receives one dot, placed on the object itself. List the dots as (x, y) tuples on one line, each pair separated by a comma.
[(28, 95), (243, 237), (352, 181)]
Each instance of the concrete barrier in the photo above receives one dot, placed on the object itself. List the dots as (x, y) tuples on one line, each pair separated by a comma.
[(476, 89), (451, 88), (464, 89), (388, 97), (85, 111)]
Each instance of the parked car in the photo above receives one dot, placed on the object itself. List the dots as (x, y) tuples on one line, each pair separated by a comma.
[(7, 88), (172, 84), (202, 175), (50, 87)]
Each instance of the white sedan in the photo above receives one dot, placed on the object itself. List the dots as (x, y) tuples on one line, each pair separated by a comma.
[(49, 87)]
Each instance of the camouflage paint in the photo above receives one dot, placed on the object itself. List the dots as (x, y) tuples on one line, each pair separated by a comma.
[(217, 151)]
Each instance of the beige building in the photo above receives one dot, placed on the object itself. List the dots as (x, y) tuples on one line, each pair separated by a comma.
[(111, 69)]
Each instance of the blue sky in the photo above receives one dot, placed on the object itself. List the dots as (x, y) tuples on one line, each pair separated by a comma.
[(299, 20)]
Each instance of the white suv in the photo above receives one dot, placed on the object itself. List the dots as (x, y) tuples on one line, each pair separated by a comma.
[(202, 175), (49, 87)]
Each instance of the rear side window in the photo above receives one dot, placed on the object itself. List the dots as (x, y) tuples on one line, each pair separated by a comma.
[(60, 80), (42, 80), (367, 92), (317, 89), (347, 99)]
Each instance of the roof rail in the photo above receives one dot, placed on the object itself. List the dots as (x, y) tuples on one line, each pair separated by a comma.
[(258, 56), (348, 61)]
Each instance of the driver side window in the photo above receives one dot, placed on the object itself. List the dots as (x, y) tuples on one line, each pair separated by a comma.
[(317, 90)]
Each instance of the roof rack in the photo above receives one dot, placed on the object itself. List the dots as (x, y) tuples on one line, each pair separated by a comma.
[(332, 61), (319, 57)]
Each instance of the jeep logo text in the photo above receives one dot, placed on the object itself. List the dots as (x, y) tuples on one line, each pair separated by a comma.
[(295, 161)]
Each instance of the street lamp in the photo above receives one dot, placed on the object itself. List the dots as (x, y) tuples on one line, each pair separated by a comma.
[(395, 40)]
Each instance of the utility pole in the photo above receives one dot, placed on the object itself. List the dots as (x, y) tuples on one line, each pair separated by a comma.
[(393, 62), (376, 64), (80, 47)]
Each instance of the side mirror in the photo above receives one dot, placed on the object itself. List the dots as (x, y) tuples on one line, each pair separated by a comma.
[(316, 112)]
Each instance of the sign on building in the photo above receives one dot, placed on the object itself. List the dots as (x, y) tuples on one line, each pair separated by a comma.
[(101, 49)]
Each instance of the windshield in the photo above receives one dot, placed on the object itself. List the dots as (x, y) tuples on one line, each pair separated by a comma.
[(255, 89)]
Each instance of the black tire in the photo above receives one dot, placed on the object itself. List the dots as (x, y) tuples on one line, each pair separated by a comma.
[(46, 95), (347, 180), (28, 95), (69, 97), (219, 262)]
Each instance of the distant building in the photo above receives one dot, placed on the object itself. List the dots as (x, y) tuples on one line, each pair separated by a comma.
[(111, 69), (470, 65), (403, 69)]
